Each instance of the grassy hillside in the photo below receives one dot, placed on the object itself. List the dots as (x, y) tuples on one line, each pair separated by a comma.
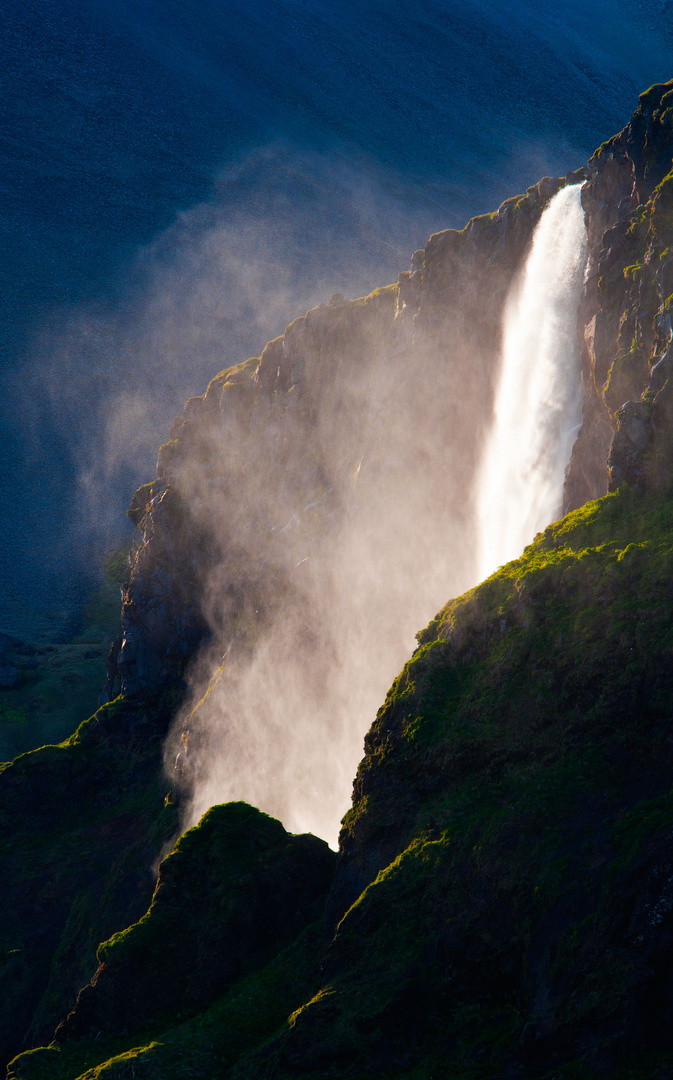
[(505, 870)]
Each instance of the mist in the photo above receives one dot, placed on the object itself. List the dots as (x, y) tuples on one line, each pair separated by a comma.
[(102, 383), (348, 137), (338, 487), (337, 517), (327, 555)]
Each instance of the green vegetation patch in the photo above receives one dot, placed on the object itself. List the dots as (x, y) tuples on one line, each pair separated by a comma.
[(81, 824), (207, 1045), (522, 763), (59, 683), (235, 889), (231, 895)]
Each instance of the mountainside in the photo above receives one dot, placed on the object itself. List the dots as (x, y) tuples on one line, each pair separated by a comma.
[(292, 144), (501, 904)]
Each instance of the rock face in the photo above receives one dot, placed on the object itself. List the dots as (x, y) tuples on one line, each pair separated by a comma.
[(514, 800), (502, 902), (441, 321), (356, 399), (625, 327)]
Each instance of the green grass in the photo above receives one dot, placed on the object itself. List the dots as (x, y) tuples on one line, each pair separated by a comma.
[(543, 692)]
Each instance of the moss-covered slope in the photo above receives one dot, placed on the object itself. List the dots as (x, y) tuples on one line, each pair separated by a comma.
[(236, 891), (511, 826), (81, 825), (504, 895)]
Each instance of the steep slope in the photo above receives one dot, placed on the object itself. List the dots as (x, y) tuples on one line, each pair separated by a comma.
[(512, 814), (82, 824), (511, 826), (501, 899)]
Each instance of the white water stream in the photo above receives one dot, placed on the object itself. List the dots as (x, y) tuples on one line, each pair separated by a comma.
[(538, 401)]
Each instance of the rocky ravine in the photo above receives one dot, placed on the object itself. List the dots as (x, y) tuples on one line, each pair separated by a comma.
[(501, 904)]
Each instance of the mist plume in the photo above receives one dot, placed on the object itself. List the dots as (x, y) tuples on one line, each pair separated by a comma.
[(331, 555), (103, 382), (322, 496)]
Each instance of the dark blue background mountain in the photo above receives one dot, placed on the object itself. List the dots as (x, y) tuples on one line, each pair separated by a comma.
[(180, 179)]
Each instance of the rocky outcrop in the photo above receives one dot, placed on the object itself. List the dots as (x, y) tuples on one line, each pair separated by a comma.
[(82, 824), (642, 450), (234, 891), (624, 324), (503, 896), (160, 619), (442, 320)]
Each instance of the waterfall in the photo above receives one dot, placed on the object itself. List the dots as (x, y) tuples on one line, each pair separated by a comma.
[(538, 399)]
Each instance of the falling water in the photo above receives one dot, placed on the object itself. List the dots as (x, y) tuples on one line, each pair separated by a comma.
[(538, 402)]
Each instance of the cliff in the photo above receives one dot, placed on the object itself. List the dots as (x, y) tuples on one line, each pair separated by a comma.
[(501, 902)]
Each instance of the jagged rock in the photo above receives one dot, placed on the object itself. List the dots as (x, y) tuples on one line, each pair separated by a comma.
[(625, 463), (623, 324), (642, 450), (482, 929), (450, 304)]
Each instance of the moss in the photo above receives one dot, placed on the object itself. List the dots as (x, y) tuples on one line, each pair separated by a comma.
[(385, 293), (12, 714), (506, 759), (207, 1045), (81, 824), (632, 273), (229, 896), (640, 823), (661, 207)]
